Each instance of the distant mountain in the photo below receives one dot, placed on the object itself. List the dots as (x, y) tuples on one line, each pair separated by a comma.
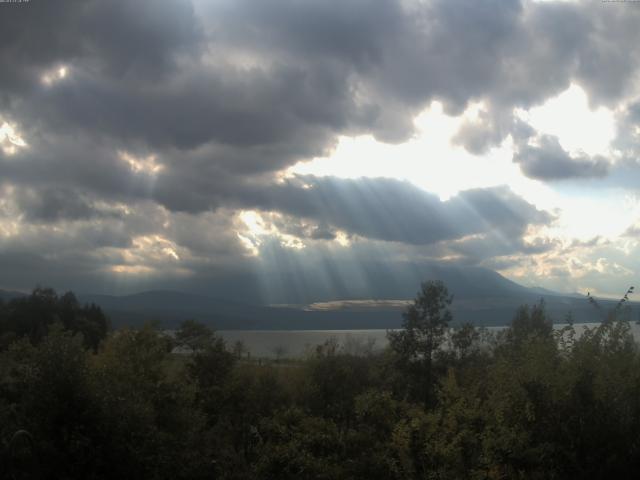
[(481, 296), (171, 307), (162, 300), (473, 282), (546, 291)]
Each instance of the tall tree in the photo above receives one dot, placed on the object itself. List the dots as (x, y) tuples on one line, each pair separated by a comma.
[(424, 326)]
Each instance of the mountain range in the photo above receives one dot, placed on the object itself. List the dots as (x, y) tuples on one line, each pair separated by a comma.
[(481, 296)]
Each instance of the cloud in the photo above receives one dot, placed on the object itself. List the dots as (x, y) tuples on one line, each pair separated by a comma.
[(393, 210), (51, 205), (478, 135), (292, 76), (633, 230), (549, 161), (122, 39), (224, 96)]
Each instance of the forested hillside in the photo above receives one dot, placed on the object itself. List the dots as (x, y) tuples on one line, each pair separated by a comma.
[(80, 401)]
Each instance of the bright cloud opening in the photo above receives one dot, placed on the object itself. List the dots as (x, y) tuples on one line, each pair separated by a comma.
[(132, 269), (148, 165), (54, 75), (257, 228), (10, 139), (429, 160), (579, 128)]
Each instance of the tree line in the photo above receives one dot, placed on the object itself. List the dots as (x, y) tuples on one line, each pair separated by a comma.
[(78, 400)]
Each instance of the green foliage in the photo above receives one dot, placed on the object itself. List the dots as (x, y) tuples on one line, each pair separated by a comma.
[(32, 317), (194, 336), (530, 324), (148, 422), (528, 403), (333, 381), (209, 369), (424, 327), (464, 340), (299, 446), (621, 309)]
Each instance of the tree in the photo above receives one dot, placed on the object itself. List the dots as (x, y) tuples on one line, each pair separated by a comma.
[(463, 340), (333, 381), (147, 422), (424, 327), (208, 367), (621, 311), (32, 316), (530, 323), (194, 335)]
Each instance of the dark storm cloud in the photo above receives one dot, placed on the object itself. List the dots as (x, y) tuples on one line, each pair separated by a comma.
[(118, 38), (399, 56), (225, 94), (352, 31), (550, 46), (168, 75), (72, 164), (82, 253), (392, 210), (549, 161), (299, 228), (286, 106), (51, 205), (377, 208)]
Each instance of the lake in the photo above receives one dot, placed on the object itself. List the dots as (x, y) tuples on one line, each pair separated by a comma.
[(296, 343)]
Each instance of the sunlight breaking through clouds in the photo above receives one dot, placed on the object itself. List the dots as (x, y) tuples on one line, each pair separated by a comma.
[(148, 165), (156, 247), (241, 134), (54, 75), (258, 229), (429, 160), (9, 228), (579, 128), (149, 254), (10, 139), (132, 269)]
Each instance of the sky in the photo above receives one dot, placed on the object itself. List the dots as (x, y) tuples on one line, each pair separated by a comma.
[(285, 150)]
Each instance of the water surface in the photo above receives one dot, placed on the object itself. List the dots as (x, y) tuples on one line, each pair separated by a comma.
[(297, 343)]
